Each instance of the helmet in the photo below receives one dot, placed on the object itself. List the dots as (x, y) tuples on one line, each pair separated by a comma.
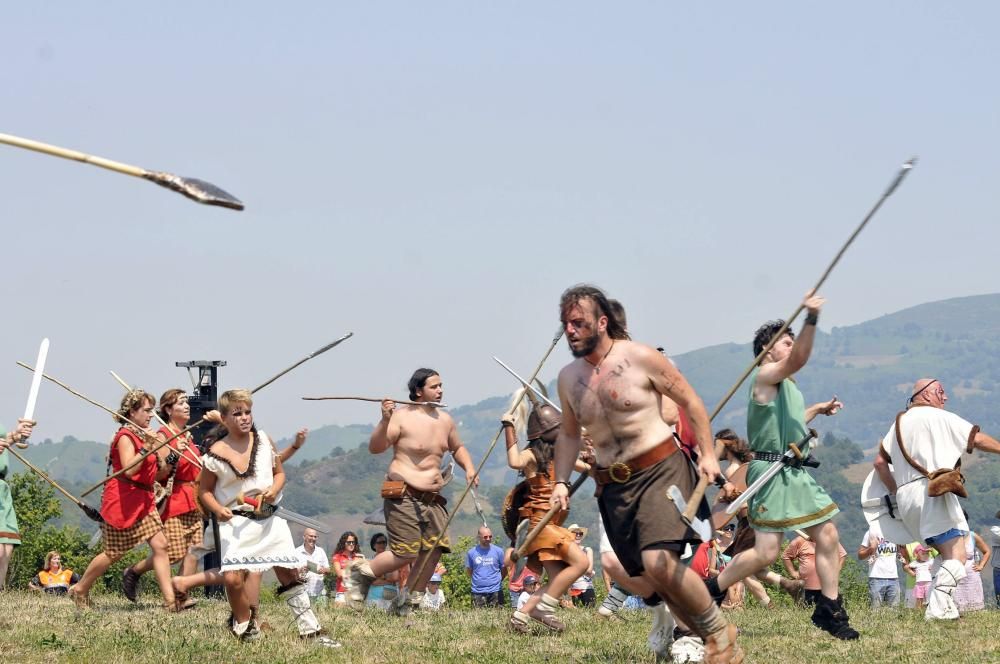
[(543, 418)]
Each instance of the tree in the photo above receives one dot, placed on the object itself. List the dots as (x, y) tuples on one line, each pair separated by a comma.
[(36, 506)]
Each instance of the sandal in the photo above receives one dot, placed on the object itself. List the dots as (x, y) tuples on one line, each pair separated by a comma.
[(548, 619)]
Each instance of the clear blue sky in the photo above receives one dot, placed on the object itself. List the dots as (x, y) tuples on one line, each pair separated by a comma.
[(431, 176)]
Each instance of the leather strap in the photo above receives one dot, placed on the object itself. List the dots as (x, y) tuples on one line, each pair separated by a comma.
[(916, 466), (621, 472), (427, 497)]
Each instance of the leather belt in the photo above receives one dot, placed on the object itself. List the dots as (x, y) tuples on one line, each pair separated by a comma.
[(621, 472), (426, 497), (771, 457)]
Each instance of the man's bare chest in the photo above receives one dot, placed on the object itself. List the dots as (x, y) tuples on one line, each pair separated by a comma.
[(618, 388)]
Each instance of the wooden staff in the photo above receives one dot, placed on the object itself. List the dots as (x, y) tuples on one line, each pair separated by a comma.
[(533, 533), (192, 460), (432, 404), (199, 422), (196, 190), (903, 171)]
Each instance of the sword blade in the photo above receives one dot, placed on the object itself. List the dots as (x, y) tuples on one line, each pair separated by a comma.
[(300, 519), (527, 384), (36, 379), (775, 468)]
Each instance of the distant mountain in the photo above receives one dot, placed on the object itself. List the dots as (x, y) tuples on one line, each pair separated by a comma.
[(869, 366)]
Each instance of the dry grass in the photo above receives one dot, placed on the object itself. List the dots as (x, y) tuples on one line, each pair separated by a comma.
[(45, 629)]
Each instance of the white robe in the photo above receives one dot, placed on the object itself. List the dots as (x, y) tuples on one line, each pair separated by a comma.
[(247, 544), (935, 439)]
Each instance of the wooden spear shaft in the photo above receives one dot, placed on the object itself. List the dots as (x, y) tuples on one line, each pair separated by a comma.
[(903, 172)]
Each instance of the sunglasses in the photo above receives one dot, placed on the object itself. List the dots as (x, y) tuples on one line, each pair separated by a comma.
[(351, 542)]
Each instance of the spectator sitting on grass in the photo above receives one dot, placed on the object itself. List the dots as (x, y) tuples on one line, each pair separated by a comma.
[(530, 586), (433, 597), (54, 579)]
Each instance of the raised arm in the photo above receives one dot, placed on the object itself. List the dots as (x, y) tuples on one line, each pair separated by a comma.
[(773, 373), (382, 438), (289, 452), (986, 443)]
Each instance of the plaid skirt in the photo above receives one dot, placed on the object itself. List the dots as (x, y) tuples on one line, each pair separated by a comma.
[(119, 542), (182, 531)]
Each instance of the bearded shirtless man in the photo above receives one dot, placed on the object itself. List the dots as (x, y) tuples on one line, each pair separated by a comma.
[(415, 512), (614, 388)]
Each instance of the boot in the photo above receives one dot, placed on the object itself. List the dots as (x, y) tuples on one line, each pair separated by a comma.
[(544, 614), (518, 623), (612, 604), (721, 647), (130, 584), (359, 580), (794, 587), (661, 635), (298, 601), (831, 617)]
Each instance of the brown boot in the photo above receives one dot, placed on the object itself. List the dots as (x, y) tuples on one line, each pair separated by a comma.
[(794, 587), (130, 584), (721, 647)]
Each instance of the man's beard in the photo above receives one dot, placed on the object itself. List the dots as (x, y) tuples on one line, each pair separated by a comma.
[(588, 347)]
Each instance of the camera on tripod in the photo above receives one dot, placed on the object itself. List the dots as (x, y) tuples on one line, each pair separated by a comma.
[(204, 394)]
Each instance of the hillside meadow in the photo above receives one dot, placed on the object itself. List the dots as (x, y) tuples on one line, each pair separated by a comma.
[(48, 629)]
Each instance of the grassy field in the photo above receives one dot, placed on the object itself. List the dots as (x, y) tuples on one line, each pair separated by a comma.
[(45, 629)]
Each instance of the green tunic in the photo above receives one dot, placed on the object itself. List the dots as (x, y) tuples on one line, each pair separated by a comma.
[(792, 499), (9, 532)]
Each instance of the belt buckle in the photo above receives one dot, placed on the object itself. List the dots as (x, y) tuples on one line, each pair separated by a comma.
[(617, 467)]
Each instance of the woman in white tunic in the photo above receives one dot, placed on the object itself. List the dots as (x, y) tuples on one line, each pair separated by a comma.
[(242, 479)]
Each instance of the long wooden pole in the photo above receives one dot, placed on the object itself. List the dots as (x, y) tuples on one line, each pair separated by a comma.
[(190, 427)]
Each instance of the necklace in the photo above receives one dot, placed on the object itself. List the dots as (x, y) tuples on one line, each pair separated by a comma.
[(597, 367)]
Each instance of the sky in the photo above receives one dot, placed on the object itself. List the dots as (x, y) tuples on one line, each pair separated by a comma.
[(431, 176)]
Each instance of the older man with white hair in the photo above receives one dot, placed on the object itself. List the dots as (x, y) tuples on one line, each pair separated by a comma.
[(917, 461)]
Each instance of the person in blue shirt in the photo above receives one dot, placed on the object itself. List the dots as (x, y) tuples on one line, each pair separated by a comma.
[(484, 564)]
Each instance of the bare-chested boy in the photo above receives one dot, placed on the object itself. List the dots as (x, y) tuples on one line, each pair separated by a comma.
[(415, 512), (614, 388)]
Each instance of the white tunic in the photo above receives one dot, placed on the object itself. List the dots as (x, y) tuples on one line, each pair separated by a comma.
[(246, 544), (935, 439)]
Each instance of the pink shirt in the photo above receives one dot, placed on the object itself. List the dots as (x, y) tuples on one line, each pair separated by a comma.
[(804, 551)]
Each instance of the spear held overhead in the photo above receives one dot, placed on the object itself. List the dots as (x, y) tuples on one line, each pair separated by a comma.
[(196, 190), (190, 427), (903, 172)]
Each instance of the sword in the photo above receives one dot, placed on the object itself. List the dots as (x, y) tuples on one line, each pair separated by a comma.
[(776, 467), (267, 509), (36, 382), (528, 385), (479, 508)]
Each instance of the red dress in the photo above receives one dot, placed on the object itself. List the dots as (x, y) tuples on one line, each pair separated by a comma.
[(182, 500), (127, 501)]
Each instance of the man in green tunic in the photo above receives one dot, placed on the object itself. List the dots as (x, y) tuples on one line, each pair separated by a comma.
[(777, 417), (10, 536)]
